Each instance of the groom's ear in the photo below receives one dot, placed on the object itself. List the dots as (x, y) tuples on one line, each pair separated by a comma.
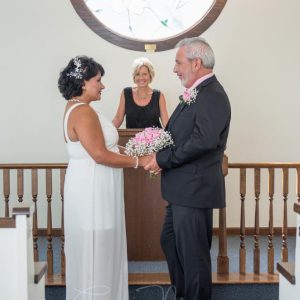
[(197, 64)]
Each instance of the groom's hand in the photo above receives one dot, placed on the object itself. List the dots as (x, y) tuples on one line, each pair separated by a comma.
[(144, 160), (152, 165)]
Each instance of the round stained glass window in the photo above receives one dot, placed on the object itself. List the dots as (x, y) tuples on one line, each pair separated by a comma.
[(148, 25)]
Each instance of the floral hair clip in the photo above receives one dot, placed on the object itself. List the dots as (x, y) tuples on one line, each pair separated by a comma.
[(188, 96), (77, 73)]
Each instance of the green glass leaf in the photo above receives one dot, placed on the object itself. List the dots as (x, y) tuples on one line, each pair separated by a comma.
[(164, 22)]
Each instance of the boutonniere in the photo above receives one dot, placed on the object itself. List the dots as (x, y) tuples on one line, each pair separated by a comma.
[(188, 97)]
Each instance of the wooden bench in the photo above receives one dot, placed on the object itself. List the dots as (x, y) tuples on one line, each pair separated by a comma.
[(289, 273), (20, 276)]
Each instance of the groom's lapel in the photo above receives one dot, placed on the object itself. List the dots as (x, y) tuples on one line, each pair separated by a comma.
[(175, 114), (181, 106)]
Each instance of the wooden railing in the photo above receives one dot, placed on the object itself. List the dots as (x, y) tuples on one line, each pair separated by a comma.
[(17, 172), (19, 169), (271, 169)]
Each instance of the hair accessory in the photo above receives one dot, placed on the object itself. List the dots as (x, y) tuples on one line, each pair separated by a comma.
[(77, 73)]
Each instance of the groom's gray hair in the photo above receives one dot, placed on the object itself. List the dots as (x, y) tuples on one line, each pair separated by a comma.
[(197, 47)]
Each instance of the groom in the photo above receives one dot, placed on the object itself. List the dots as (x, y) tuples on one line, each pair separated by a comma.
[(192, 179)]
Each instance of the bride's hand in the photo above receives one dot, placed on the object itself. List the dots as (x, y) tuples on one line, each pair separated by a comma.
[(121, 149), (144, 160)]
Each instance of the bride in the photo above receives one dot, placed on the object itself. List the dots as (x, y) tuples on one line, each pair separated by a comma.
[(95, 236)]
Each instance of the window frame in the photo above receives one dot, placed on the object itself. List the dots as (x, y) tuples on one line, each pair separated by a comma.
[(146, 45)]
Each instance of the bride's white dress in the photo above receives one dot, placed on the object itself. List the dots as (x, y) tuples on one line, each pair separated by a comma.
[(95, 236)]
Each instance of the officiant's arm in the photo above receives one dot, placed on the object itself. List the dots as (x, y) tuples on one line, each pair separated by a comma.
[(119, 117)]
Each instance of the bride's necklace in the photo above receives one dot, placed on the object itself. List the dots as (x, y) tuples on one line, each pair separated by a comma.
[(76, 100)]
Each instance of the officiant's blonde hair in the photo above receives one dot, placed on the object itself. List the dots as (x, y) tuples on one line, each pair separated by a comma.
[(140, 62)]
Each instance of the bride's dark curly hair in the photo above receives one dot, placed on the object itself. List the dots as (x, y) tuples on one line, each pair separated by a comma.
[(72, 77)]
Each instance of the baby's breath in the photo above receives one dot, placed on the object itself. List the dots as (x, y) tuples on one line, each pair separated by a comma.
[(150, 140), (188, 97)]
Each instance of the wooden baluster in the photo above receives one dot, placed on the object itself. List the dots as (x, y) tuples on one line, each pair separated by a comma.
[(34, 191), (271, 231), (20, 184), (6, 190), (223, 260), (285, 191), (62, 250), (242, 222), (298, 185), (256, 250), (49, 221)]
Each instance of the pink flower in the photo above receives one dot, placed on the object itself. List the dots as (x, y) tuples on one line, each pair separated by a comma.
[(151, 139), (188, 96)]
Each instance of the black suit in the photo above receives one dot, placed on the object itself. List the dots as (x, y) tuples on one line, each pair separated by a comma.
[(193, 184)]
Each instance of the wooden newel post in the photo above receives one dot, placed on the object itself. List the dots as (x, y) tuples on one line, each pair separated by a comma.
[(223, 260)]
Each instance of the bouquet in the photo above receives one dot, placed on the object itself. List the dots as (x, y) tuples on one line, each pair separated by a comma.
[(150, 140)]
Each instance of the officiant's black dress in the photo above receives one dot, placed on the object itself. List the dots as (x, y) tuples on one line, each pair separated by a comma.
[(142, 116)]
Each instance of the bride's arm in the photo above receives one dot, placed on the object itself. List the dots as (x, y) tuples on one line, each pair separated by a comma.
[(85, 124), (121, 149)]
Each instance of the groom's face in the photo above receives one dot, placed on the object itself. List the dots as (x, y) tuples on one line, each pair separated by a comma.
[(184, 68)]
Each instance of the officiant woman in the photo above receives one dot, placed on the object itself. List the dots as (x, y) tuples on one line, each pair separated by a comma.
[(142, 105)]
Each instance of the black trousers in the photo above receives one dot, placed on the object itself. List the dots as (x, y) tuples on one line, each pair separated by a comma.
[(186, 240)]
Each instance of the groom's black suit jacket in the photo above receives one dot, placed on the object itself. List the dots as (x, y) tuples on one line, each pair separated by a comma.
[(192, 170)]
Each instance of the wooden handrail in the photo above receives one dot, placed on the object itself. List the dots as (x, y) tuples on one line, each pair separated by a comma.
[(33, 166), (275, 165), (40, 269), (21, 211), (287, 270), (7, 223)]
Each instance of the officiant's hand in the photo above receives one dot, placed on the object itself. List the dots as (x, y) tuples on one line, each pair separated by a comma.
[(152, 166)]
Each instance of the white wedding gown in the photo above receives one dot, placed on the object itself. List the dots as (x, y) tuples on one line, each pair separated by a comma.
[(95, 236)]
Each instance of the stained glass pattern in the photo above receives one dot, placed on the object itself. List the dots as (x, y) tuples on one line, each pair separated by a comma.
[(149, 19)]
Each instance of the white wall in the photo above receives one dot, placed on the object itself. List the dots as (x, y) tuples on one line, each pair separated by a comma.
[(257, 46)]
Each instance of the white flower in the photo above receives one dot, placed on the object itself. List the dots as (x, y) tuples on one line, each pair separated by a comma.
[(150, 140), (188, 96), (77, 73)]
